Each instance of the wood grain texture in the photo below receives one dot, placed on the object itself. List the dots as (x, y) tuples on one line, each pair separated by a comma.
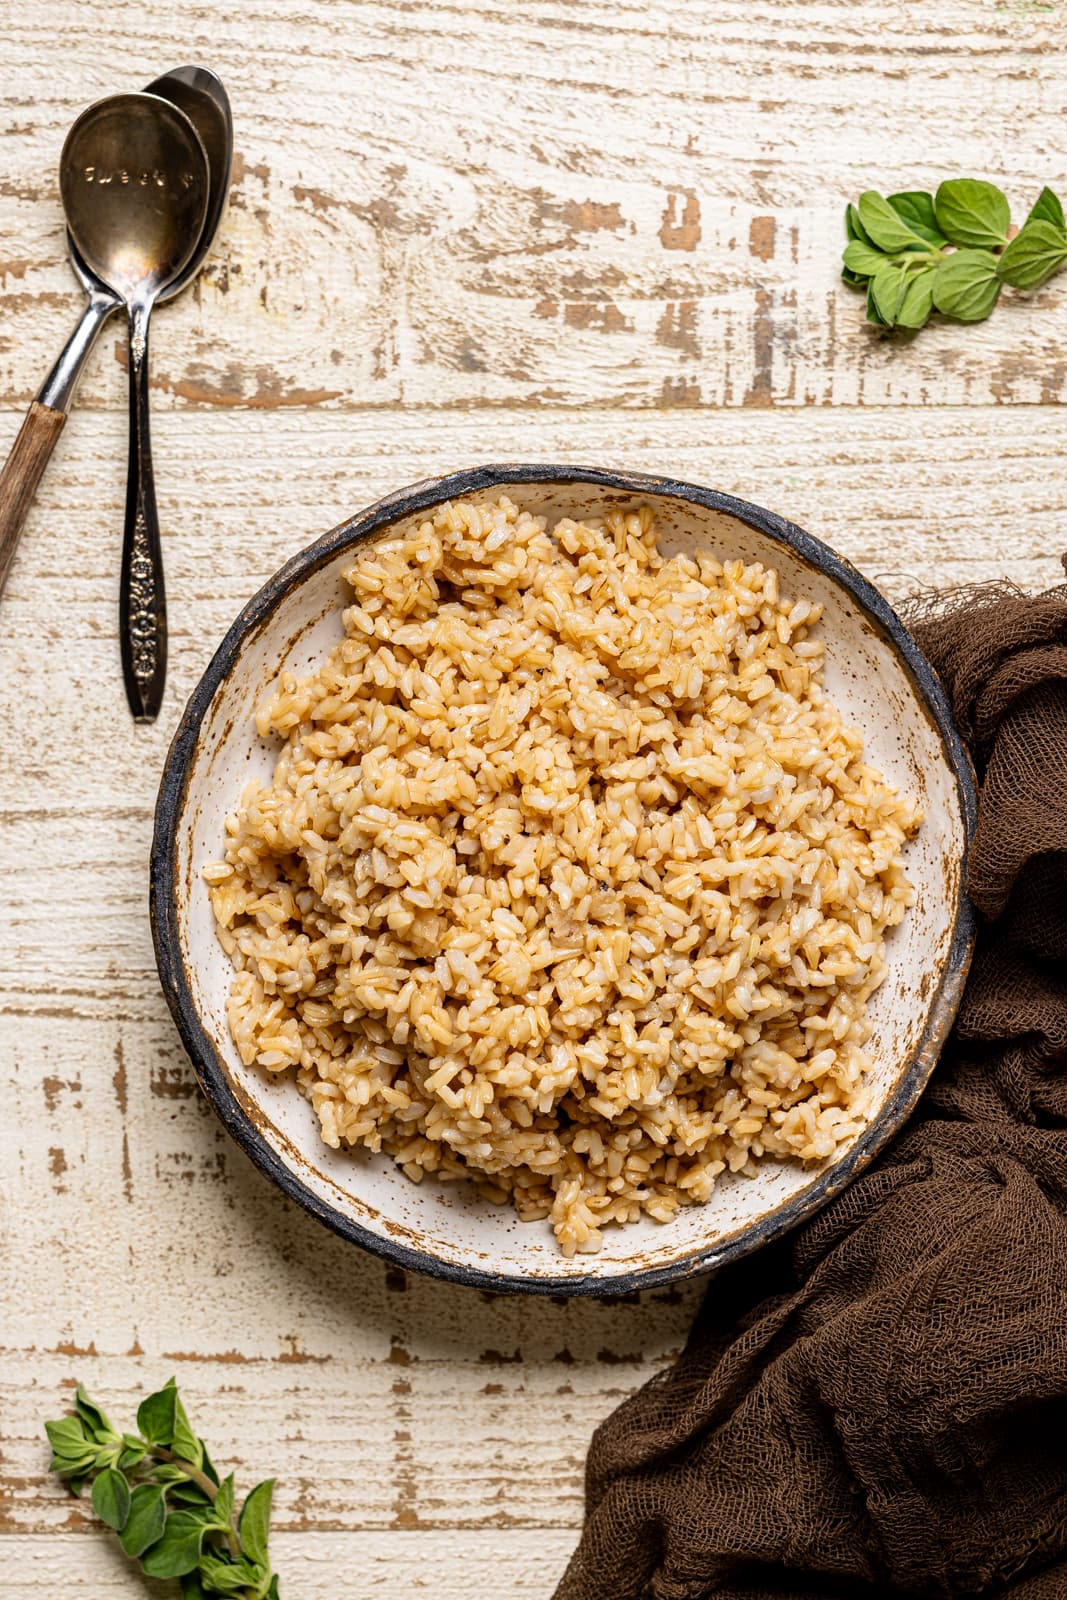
[(464, 202), (21, 473), (460, 231), (517, 1564)]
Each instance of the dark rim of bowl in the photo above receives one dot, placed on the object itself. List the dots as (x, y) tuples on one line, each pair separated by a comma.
[(209, 1067)]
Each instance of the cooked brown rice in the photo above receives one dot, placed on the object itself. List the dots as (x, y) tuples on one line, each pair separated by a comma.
[(570, 878)]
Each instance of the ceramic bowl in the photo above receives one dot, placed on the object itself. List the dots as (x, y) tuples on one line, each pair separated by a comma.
[(877, 677)]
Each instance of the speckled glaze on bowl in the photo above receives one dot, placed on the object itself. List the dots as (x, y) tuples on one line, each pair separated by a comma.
[(878, 678)]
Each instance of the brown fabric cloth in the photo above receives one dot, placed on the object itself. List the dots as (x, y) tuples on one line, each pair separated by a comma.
[(877, 1406)]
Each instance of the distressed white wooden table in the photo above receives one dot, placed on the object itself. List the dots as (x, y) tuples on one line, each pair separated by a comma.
[(460, 230)]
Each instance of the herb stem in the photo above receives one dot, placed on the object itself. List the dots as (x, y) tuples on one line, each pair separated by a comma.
[(203, 1482)]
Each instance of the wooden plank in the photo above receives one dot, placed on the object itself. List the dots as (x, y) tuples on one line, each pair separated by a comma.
[(450, 1565), (933, 497), (451, 203), (439, 1432), (121, 1174)]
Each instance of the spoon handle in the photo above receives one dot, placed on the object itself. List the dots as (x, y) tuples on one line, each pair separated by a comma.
[(22, 472), (42, 425), (142, 599)]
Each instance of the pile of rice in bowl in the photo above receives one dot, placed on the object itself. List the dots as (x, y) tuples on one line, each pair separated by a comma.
[(570, 879)]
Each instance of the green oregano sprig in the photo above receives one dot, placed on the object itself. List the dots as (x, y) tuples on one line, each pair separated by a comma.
[(160, 1492), (915, 253)]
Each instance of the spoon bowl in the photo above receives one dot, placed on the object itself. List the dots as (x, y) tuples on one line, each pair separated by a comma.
[(134, 182), (199, 92)]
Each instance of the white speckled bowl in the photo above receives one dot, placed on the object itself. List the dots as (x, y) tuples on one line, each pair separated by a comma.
[(877, 677)]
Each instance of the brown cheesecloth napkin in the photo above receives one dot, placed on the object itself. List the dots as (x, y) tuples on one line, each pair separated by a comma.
[(877, 1406)]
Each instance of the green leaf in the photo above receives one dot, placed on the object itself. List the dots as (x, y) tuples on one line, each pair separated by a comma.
[(203, 1515), (853, 226), (273, 1593), (224, 1501), (856, 233), (1046, 208), (192, 1588), (111, 1499), (888, 286), (131, 1456), (863, 259), (157, 1415), (916, 208), (185, 1442), (1038, 250), (873, 314), (73, 1455), (966, 285), (229, 1577), (67, 1436), (147, 1518), (188, 1494), (918, 299), (207, 1466), (70, 1469), (96, 1424), (254, 1525), (178, 1551), (971, 212), (884, 226)]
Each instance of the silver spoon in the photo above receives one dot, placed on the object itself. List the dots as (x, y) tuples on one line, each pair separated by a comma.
[(142, 607), (200, 94), (134, 182)]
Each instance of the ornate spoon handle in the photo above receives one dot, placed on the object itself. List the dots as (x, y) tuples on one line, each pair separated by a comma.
[(142, 597)]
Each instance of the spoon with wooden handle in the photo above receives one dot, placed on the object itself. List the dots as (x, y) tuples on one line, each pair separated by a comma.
[(200, 94)]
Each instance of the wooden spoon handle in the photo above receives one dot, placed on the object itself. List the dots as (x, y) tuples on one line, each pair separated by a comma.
[(21, 474)]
